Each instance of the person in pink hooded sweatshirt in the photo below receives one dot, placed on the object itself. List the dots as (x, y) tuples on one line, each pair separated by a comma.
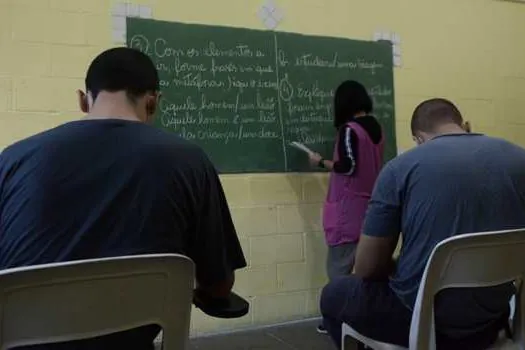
[(354, 167)]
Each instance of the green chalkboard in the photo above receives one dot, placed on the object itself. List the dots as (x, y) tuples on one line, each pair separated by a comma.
[(243, 95)]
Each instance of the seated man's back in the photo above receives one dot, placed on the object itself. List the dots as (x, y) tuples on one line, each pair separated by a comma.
[(457, 184), (103, 187), (454, 183), (98, 188)]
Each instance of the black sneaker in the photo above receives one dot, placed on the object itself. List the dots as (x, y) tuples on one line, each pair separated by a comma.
[(321, 329)]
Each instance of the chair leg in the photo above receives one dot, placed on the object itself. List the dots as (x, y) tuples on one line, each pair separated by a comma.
[(361, 346), (355, 344), (508, 331)]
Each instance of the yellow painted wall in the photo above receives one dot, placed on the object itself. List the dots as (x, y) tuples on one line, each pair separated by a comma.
[(472, 51)]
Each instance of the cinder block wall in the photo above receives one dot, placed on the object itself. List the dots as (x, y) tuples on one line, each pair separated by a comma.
[(471, 51)]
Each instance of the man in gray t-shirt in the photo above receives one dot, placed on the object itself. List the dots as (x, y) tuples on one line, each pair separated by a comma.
[(453, 183)]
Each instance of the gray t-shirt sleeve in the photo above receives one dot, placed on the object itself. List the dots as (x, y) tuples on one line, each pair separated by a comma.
[(383, 216)]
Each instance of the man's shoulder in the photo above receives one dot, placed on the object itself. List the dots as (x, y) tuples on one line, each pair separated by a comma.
[(406, 162), (19, 148), (167, 148), (44, 138), (168, 143), (145, 139), (502, 143), (457, 145), (171, 139)]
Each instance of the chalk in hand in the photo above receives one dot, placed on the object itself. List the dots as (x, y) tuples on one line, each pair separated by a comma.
[(301, 147)]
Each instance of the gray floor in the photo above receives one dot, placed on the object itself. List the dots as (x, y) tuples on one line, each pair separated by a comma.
[(295, 336)]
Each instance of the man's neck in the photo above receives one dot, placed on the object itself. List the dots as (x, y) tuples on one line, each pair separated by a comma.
[(112, 112), (112, 106), (95, 115), (448, 129)]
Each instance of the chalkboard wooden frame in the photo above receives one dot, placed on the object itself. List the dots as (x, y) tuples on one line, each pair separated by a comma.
[(243, 95)]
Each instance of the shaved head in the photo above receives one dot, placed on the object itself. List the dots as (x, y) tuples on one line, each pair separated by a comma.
[(433, 113)]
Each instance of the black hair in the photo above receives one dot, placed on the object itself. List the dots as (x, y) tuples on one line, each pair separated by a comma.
[(122, 69), (434, 112), (350, 99)]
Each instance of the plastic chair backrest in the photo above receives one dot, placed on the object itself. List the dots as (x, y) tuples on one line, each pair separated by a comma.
[(88, 298), (469, 260)]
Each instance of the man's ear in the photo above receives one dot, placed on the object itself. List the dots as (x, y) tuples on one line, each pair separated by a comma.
[(466, 127), (152, 103), (418, 139), (83, 102)]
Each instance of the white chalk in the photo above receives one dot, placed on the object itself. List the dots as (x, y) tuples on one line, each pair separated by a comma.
[(301, 147)]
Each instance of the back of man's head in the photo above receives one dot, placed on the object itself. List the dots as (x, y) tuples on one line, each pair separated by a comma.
[(434, 113), (122, 69)]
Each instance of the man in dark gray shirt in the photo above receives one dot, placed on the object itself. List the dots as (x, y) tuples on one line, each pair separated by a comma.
[(453, 183), (111, 185)]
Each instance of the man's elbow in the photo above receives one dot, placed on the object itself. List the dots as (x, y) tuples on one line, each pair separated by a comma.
[(375, 272), (365, 273)]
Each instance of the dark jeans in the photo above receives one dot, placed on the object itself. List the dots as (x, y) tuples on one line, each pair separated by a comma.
[(372, 309)]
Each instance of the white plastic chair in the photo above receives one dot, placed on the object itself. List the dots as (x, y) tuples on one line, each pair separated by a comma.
[(469, 260), (88, 298)]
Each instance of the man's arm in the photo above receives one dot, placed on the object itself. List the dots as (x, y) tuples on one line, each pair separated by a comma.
[(467, 127), (215, 249), (374, 257), (219, 290), (380, 229)]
